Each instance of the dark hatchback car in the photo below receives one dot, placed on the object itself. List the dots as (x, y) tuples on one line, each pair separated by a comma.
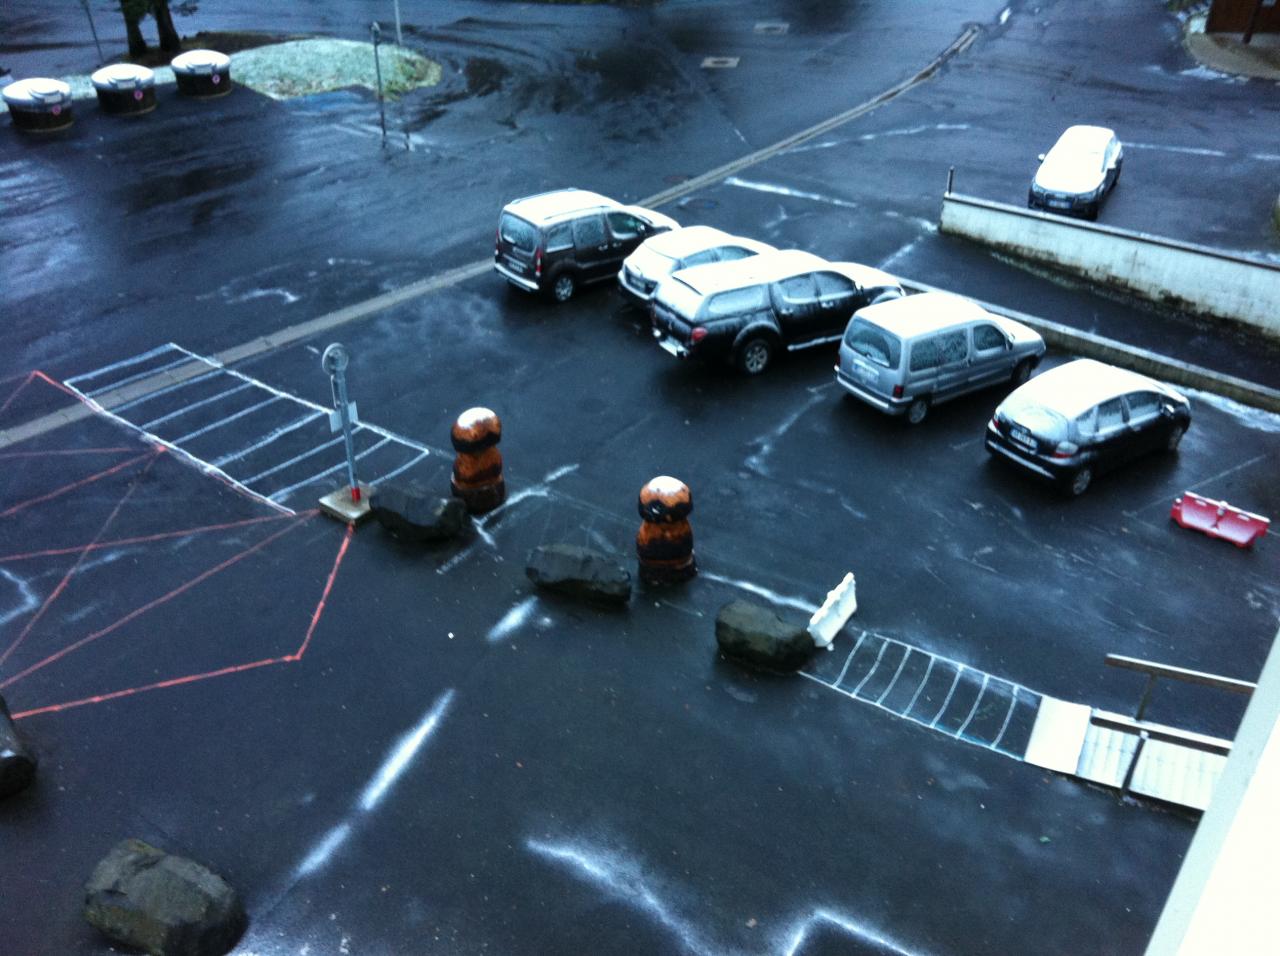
[(1084, 418), (748, 311), (556, 242)]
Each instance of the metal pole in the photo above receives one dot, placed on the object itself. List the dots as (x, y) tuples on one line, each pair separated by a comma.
[(334, 361), (951, 178), (1133, 764), (376, 31), (399, 37), (1253, 22), (92, 29), (1146, 697)]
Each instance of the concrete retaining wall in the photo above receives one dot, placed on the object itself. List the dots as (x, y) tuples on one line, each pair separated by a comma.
[(1183, 276)]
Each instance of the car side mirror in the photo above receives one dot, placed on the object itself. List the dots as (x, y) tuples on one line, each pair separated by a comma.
[(1041, 157), (1166, 411)]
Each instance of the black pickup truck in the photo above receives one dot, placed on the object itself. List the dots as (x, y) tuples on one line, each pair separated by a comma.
[(750, 310)]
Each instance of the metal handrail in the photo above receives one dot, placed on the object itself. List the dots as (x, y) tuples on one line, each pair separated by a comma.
[(1154, 671)]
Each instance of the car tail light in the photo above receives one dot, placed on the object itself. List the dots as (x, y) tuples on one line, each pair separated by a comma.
[(994, 423), (1065, 449), (897, 391), (537, 263), (697, 335)]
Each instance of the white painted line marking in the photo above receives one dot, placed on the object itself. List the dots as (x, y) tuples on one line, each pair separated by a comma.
[(897, 673), (1188, 150), (403, 468), (118, 365), (292, 461), (1013, 703), (512, 620), (140, 375), (268, 439), (927, 671), (874, 667), (399, 759), (192, 407), (941, 710), (285, 492), (974, 709), (166, 390), (228, 420), (761, 591), (198, 464), (849, 660), (785, 191), (880, 943), (324, 849)]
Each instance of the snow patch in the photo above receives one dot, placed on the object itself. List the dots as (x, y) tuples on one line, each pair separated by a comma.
[(1253, 418)]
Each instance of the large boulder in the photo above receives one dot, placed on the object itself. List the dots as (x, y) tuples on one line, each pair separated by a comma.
[(580, 573), (17, 763), (412, 513), (755, 635), (166, 905)]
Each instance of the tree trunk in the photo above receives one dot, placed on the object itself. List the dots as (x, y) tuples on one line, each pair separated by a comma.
[(170, 42), (137, 45)]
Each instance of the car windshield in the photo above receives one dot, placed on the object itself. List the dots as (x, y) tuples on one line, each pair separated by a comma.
[(1036, 418), (680, 298), (650, 263), (519, 233), (872, 342)]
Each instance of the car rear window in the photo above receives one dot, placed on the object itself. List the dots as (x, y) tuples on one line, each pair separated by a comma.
[(874, 343), (1036, 418), (651, 263), (680, 298), (521, 234)]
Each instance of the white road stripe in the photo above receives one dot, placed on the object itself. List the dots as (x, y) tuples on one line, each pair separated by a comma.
[(135, 377), (285, 492), (403, 468), (166, 390), (124, 363), (228, 420), (192, 407), (292, 461), (268, 439)]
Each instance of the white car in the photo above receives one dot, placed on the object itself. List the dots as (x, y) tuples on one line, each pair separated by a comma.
[(1078, 173), (670, 252)]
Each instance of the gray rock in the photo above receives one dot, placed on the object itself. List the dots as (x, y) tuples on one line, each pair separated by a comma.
[(756, 635), (412, 513), (17, 763), (166, 905), (579, 572)]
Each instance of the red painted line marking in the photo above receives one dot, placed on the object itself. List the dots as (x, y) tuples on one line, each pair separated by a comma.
[(143, 539), (159, 685), (328, 586), (76, 484), (9, 401), (163, 599), (66, 578), (68, 451)]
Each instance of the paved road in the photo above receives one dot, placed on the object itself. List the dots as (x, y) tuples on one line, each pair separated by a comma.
[(439, 758)]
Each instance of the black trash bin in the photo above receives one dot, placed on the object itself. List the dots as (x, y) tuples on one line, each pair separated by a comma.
[(125, 89), (39, 104), (202, 73)]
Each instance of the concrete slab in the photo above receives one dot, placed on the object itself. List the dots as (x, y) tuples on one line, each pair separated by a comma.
[(337, 504), (1058, 735)]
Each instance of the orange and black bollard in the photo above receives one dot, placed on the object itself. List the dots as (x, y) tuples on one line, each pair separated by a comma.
[(664, 542), (477, 471)]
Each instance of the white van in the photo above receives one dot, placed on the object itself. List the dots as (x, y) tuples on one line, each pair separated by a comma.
[(904, 355)]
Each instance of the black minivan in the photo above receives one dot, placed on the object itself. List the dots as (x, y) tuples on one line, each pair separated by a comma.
[(556, 241)]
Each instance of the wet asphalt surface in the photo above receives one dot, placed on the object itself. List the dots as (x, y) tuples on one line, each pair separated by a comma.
[(599, 782)]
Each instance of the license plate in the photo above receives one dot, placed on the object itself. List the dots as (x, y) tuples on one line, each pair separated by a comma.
[(1058, 204), (1021, 436), (864, 372), (669, 345)]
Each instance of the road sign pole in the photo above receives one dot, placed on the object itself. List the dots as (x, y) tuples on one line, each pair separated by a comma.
[(335, 361), (376, 31)]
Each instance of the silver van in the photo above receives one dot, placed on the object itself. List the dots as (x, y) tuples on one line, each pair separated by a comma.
[(904, 355)]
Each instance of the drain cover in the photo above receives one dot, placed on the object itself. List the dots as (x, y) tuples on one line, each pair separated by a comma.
[(773, 28), (719, 62)]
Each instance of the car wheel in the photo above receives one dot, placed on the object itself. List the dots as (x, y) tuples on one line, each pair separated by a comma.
[(1175, 437), (563, 287), (754, 355), (1091, 212), (1021, 373), (917, 410), (1080, 481)]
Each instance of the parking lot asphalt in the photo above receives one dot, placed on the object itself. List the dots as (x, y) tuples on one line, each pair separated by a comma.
[(388, 750)]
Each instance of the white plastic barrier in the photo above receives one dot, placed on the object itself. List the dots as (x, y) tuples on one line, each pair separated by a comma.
[(1187, 277)]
